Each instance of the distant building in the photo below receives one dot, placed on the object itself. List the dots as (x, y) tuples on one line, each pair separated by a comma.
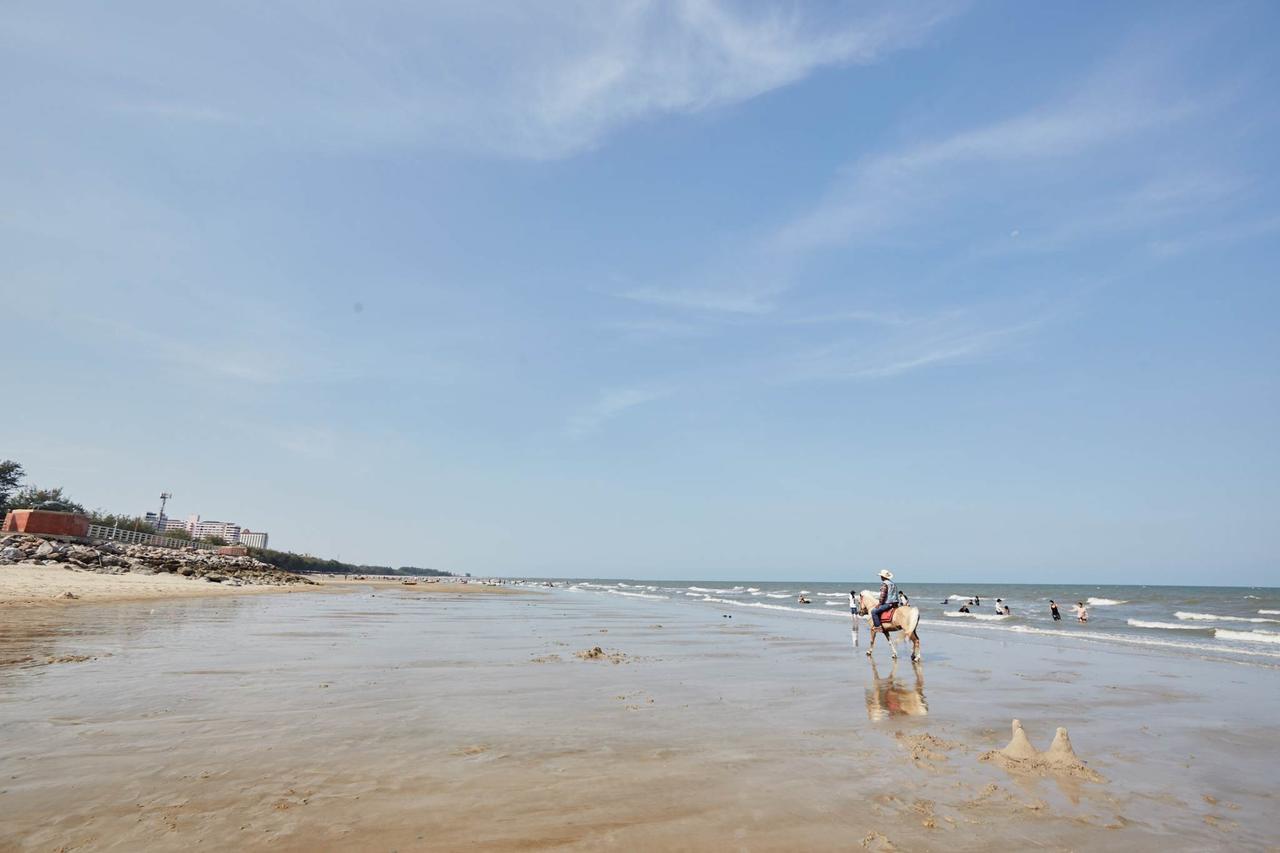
[(198, 528), (253, 540), (204, 529), (162, 523)]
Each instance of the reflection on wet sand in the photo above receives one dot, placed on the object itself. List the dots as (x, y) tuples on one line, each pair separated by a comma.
[(892, 697)]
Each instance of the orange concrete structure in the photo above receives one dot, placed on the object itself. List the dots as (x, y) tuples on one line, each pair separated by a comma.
[(233, 551), (45, 522)]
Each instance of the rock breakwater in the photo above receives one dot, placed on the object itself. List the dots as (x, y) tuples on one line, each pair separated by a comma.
[(114, 558)]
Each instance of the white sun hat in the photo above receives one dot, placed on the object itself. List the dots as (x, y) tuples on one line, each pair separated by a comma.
[(886, 574)]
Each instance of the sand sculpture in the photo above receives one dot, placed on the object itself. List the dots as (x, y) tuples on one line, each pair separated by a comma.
[(1020, 755)]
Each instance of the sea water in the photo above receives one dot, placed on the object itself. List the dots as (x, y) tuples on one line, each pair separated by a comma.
[(1237, 623)]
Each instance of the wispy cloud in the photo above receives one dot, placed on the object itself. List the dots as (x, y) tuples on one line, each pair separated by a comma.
[(390, 73), (609, 405), (887, 190), (933, 345)]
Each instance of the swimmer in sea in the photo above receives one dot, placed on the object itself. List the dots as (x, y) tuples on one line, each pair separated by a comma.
[(1053, 608), (1081, 613)]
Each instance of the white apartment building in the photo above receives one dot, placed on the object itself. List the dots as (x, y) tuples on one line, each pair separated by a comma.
[(222, 529), (252, 539), (234, 534), (164, 523)]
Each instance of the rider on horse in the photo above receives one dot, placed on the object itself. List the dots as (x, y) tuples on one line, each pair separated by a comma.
[(888, 599)]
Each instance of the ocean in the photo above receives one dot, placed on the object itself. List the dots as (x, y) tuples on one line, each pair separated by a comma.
[(1236, 623)]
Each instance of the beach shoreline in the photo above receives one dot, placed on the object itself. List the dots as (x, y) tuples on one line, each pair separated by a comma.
[(32, 585), (386, 715)]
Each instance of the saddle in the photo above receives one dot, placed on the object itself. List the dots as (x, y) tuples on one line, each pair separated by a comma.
[(887, 617)]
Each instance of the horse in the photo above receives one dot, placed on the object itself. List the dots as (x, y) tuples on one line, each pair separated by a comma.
[(902, 618)]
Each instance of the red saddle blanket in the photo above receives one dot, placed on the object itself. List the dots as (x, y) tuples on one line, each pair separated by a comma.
[(887, 616)]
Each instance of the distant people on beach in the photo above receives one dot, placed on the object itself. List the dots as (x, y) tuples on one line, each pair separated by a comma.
[(999, 606), (964, 608), (1053, 608), (1081, 612)]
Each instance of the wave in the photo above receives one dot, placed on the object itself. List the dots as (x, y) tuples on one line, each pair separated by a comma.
[(761, 605), (1103, 602), (638, 595), (990, 617), (1247, 636), (777, 595), (1272, 612), (1168, 626), (753, 589), (1210, 617), (833, 603), (1104, 637)]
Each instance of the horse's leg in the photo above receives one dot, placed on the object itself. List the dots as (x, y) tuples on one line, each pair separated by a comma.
[(893, 647), (915, 646), (872, 632)]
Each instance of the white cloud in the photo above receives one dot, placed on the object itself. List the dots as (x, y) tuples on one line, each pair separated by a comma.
[(891, 189), (930, 344), (609, 405), (539, 80)]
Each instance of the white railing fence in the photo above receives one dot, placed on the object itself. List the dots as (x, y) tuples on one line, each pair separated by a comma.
[(134, 537)]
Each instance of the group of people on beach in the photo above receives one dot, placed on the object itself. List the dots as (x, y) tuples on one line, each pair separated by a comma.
[(1002, 609)]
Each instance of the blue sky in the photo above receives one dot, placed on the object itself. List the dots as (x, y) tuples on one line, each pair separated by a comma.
[(969, 290)]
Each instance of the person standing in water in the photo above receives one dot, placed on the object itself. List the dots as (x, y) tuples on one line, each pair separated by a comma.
[(1053, 608), (1081, 613)]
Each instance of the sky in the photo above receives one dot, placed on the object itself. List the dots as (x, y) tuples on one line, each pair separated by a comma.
[(982, 291)]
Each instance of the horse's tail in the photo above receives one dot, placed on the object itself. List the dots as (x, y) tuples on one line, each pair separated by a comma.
[(913, 619)]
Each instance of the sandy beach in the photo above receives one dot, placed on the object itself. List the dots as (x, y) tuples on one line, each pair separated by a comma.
[(385, 716), (29, 585)]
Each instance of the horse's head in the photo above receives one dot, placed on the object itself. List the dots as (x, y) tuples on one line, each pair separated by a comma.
[(867, 600)]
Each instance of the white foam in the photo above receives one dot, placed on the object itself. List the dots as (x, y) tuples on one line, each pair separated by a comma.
[(763, 606), (1168, 626), (1246, 636), (1272, 612), (753, 589), (989, 617), (1209, 617), (777, 595), (1103, 602), (1104, 637), (704, 589), (833, 603), (638, 595)]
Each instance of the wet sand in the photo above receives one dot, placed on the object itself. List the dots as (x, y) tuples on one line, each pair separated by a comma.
[(403, 717)]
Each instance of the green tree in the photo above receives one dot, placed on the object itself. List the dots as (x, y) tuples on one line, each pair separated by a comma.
[(214, 540), (123, 522), (177, 533), (32, 497), (10, 475)]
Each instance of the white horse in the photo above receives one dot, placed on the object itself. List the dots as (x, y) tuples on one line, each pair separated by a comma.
[(904, 618)]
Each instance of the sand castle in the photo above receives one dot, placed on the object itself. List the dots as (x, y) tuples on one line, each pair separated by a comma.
[(1061, 758)]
